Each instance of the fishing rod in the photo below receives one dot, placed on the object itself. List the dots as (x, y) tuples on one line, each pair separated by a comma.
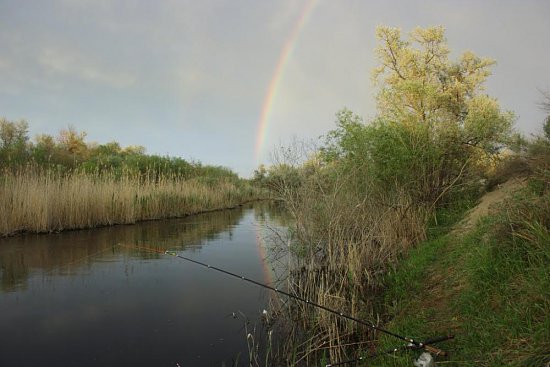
[(370, 325), (409, 346)]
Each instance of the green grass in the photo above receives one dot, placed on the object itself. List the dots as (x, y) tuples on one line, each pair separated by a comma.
[(490, 287)]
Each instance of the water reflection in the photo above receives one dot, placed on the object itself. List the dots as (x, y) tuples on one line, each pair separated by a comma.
[(63, 252), (90, 298)]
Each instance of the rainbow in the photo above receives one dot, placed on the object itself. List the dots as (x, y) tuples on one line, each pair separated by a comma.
[(267, 104), (262, 252)]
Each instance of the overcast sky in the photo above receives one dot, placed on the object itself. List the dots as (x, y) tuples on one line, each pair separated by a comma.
[(190, 78)]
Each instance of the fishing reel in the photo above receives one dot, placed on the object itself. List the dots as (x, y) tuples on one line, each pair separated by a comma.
[(425, 360)]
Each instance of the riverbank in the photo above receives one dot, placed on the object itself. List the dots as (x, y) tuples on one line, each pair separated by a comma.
[(486, 281), (478, 270), (42, 201)]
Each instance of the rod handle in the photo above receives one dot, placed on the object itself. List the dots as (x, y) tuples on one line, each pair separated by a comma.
[(438, 339)]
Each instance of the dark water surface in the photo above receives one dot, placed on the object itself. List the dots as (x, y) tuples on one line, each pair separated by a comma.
[(87, 298)]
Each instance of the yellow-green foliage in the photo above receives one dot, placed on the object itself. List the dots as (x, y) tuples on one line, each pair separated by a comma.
[(419, 84), (34, 200)]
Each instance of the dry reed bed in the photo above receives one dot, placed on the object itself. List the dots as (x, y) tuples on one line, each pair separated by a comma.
[(41, 201), (343, 244)]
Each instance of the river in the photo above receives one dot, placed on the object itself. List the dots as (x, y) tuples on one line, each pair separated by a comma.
[(92, 298)]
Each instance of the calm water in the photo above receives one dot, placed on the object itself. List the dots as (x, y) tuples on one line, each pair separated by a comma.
[(87, 298)]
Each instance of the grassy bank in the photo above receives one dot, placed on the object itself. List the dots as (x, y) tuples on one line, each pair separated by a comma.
[(489, 285), (37, 200)]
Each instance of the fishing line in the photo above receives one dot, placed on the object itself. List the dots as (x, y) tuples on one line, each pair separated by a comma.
[(372, 326), (79, 260)]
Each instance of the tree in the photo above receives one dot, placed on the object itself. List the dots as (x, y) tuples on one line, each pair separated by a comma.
[(134, 150), (434, 125), (44, 149), (72, 142), (13, 141), (420, 85), (111, 148)]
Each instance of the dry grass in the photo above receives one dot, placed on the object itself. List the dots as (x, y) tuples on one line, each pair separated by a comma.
[(33, 200), (343, 243)]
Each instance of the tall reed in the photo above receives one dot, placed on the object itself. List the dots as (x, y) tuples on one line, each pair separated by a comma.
[(35, 200), (344, 240)]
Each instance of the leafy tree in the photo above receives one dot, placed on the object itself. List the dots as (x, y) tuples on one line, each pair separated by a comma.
[(134, 149), (44, 149), (72, 141), (112, 148), (420, 85), (434, 124), (74, 149), (13, 141)]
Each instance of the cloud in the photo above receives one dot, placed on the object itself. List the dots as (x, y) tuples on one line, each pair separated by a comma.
[(68, 63), (173, 74), (4, 64)]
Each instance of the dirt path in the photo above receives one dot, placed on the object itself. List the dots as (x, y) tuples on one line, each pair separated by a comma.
[(488, 202)]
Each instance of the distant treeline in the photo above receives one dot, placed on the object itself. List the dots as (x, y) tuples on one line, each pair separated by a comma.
[(69, 151)]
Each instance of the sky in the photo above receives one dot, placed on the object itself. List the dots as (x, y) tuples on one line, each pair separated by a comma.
[(225, 82)]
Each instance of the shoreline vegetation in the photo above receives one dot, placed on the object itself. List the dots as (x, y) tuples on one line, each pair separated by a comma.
[(64, 183), (38, 201), (368, 200)]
